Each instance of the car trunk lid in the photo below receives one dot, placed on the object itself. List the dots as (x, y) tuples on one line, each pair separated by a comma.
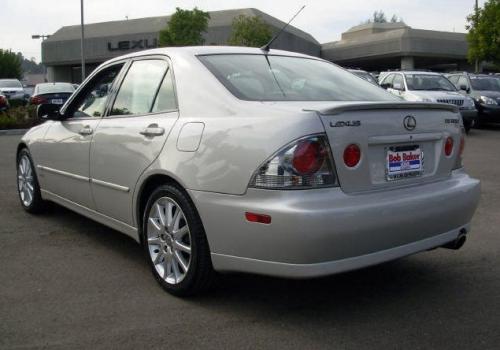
[(401, 144)]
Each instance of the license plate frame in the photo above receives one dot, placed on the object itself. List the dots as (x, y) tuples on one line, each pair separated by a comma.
[(406, 162)]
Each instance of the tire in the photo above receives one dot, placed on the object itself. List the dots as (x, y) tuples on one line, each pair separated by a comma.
[(467, 127), (175, 242), (28, 188)]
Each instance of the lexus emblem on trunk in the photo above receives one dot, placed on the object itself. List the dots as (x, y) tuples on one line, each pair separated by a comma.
[(410, 122)]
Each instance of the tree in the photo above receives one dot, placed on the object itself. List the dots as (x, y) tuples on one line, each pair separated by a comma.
[(484, 33), (185, 27), (249, 31), (10, 65), (380, 17)]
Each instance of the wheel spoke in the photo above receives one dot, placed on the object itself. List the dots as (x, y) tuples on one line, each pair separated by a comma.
[(30, 186), (182, 263), (169, 209), (167, 269), (159, 258), (154, 240), (161, 214), (175, 220), (181, 246), (178, 234), (155, 225), (175, 269)]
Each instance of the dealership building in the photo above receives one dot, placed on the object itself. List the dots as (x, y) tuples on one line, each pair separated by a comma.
[(372, 46)]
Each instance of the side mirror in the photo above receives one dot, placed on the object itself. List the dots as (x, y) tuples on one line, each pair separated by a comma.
[(48, 113), (463, 87), (385, 85)]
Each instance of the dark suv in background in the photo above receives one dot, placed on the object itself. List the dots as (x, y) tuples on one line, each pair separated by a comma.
[(484, 89)]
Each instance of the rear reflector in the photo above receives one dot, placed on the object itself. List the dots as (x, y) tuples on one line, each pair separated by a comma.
[(260, 218), (352, 155)]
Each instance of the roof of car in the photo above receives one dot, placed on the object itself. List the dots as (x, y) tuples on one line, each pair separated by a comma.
[(413, 72), (209, 50)]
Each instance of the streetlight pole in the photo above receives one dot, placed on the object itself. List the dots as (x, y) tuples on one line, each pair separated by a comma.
[(82, 46), (476, 10)]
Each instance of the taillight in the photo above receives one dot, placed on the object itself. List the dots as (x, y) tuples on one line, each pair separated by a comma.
[(36, 100), (352, 155), (308, 157), (305, 163), (448, 146)]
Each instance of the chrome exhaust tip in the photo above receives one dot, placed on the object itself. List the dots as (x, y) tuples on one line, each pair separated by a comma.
[(458, 242)]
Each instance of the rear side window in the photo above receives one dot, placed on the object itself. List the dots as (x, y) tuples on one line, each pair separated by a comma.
[(165, 100), (256, 77), (139, 88)]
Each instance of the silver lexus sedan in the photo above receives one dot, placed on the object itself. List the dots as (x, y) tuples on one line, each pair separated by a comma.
[(239, 159)]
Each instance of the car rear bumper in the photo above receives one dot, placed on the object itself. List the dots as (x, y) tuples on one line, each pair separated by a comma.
[(325, 231)]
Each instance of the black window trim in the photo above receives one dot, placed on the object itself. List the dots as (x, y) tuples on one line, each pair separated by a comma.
[(69, 106), (131, 60)]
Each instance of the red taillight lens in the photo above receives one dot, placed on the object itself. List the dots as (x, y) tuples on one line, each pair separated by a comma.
[(260, 218), (304, 163), (36, 100), (448, 146), (352, 155), (308, 157)]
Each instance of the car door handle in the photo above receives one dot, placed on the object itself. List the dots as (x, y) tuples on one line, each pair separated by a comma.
[(86, 130), (152, 131)]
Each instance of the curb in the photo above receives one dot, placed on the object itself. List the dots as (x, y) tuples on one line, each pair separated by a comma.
[(13, 132)]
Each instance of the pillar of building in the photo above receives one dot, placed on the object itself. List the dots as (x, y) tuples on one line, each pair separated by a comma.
[(407, 63)]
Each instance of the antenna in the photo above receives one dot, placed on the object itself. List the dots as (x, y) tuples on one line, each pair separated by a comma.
[(268, 45)]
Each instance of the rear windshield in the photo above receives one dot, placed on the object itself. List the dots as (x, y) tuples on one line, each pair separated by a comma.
[(53, 88), (10, 84), (429, 82), (285, 78), (485, 83)]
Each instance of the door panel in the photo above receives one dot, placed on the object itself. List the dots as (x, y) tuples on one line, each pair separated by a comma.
[(132, 136), (119, 155), (65, 164)]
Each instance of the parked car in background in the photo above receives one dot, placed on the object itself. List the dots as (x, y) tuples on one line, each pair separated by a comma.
[(12, 89), (364, 75), (51, 96), (484, 89), (4, 103), (241, 159), (430, 87)]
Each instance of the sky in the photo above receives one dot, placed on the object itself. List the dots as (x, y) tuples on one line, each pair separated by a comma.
[(323, 19)]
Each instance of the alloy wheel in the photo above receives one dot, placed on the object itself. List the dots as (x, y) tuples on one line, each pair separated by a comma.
[(169, 240), (25, 181)]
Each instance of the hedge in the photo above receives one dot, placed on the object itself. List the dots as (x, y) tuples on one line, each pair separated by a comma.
[(19, 118)]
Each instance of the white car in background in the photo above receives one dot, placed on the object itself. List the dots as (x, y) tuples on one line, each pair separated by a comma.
[(419, 86), (12, 89)]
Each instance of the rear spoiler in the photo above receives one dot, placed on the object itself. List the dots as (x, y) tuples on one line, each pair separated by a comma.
[(364, 106)]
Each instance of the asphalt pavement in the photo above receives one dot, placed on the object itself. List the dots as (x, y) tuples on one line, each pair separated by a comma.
[(67, 282)]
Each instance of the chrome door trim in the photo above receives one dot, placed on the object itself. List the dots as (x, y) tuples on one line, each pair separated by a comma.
[(110, 185), (83, 178), (63, 173)]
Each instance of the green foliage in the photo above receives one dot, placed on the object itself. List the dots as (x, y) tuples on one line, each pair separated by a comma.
[(249, 31), (380, 17), (484, 33), (19, 118), (10, 65), (185, 27)]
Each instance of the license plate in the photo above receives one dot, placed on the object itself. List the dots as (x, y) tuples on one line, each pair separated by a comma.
[(57, 101), (404, 162)]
